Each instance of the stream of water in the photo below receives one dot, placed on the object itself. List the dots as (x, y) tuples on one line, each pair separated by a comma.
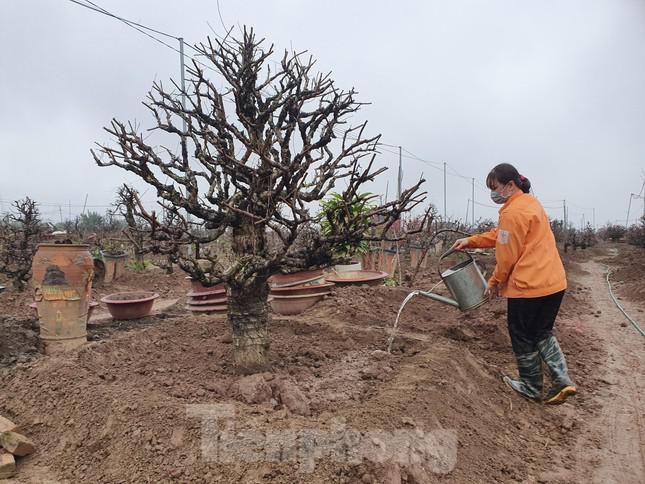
[(396, 323)]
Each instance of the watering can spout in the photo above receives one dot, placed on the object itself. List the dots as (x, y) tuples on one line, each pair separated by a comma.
[(441, 299)]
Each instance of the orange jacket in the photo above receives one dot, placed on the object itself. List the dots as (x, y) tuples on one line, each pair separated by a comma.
[(528, 263)]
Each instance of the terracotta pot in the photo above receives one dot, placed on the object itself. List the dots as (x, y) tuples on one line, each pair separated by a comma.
[(288, 305), (114, 266), (62, 281), (197, 286), (208, 309), (371, 278), (387, 261), (368, 260), (296, 278), (206, 300), (207, 294), (90, 308), (130, 305), (307, 289)]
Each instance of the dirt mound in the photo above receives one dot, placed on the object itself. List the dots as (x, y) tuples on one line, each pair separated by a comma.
[(19, 341), (627, 278)]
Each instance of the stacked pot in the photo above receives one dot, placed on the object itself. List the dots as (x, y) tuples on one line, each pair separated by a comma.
[(206, 300), (293, 293)]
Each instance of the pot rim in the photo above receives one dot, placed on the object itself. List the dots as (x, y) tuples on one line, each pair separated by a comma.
[(375, 276), (152, 296), (62, 246), (206, 293), (288, 289), (300, 296)]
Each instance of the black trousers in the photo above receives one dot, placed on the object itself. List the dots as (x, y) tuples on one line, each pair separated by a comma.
[(531, 320)]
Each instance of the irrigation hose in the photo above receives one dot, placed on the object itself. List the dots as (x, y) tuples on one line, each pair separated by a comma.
[(611, 293)]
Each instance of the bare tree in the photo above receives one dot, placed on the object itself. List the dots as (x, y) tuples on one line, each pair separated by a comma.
[(150, 234), (20, 233), (255, 157)]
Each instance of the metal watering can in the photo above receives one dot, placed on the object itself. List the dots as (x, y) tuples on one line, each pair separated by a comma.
[(464, 281)]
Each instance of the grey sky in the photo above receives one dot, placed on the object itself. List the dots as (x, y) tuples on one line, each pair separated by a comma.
[(555, 87)]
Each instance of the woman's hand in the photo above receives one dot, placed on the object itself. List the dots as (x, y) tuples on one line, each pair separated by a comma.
[(492, 292), (460, 244)]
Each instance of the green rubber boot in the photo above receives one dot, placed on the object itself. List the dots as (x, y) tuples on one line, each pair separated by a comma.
[(561, 385), (530, 384)]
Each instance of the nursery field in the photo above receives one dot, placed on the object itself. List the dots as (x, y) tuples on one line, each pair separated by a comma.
[(159, 400)]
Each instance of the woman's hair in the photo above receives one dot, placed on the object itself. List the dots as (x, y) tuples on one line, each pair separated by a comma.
[(504, 173)]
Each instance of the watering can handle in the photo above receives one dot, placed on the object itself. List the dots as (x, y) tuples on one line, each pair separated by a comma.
[(446, 254)]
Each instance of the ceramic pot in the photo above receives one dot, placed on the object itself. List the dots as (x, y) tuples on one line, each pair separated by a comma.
[(62, 281), (114, 266)]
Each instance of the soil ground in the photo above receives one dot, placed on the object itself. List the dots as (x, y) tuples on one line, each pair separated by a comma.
[(435, 410)]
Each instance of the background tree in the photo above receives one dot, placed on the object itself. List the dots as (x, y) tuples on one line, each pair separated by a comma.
[(255, 158), (612, 232), (20, 233), (142, 229), (636, 234)]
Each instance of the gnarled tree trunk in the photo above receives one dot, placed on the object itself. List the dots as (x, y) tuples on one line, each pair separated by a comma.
[(247, 301), (249, 318)]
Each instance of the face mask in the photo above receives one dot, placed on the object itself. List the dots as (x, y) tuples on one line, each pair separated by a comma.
[(497, 197)]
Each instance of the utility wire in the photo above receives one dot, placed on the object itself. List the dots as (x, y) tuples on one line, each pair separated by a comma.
[(140, 28), (144, 29), (133, 25)]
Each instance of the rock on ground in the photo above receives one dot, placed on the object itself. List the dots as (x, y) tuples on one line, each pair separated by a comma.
[(7, 466), (253, 389), (7, 425), (16, 443), (293, 398)]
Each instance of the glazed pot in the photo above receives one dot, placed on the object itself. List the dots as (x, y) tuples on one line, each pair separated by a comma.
[(130, 305), (62, 281), (90, 308), (371, 278)]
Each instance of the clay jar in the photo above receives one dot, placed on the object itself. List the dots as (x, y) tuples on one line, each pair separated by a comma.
[(114, 266), (62, 281)]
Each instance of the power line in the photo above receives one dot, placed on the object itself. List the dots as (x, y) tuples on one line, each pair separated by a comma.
[(145, 30), (131, 24), (139, 27)]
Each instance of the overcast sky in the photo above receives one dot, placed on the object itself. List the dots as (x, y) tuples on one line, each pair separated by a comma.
[(555, 87)]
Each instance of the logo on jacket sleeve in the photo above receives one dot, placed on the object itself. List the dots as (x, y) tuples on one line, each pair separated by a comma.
[(502, 236)]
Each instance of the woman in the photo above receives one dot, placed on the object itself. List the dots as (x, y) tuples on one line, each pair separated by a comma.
[(530, 274)]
